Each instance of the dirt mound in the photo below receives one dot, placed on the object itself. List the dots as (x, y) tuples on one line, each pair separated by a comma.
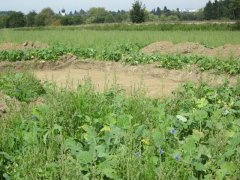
[(165, 47), (63, 62), (25, 45)]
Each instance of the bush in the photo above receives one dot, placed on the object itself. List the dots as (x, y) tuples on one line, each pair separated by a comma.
[(137, 14)]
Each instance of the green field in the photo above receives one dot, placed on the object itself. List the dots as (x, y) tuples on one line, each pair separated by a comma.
[(100, 39), (49, 132)]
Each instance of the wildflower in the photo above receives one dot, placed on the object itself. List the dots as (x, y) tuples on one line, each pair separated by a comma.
[(161, 151), (177, 157), (173, 131), (138, 154), (146, 141)]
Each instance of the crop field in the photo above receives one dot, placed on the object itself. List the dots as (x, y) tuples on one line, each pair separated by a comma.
[(87, 104)]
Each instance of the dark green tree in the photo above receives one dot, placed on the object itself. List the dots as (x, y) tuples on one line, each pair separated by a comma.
[(45, 17), (97, 15), (3, 20), (235, 9), (15, 19), (109, 18), (30, 18), (40, 20), (208, 11), (137, 13), (158, 11), (216, 10)]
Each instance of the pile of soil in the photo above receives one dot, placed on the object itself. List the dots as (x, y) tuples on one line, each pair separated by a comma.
[(165, 47), (25, 45)]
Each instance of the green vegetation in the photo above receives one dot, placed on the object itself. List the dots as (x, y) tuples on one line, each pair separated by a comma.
[(164, 26), (218, 10), (16, 85), (100, 39), (128, 54), (53, 133), (137, 13), (89, 135), (229, 9)]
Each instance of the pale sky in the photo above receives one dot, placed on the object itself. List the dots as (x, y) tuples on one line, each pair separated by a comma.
[(71, 5)]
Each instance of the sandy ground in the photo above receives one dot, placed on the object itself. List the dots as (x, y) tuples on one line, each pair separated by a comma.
[(155, 81), (104, 79)]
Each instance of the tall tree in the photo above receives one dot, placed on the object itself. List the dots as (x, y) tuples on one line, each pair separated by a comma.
[(45, 17), (208, 11), (30, 18), (97, 15), (137, 13), (158, 11), (15, 19)]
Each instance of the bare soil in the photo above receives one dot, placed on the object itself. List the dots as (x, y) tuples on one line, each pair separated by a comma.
[(25, 45), (165, 47), (156, 82), (7, 104), (3, 106)]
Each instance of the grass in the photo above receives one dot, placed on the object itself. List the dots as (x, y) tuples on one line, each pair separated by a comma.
[(149, 26), (101, 39), (90, 135)]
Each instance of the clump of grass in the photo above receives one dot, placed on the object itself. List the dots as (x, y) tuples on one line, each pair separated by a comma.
[(22, 86)]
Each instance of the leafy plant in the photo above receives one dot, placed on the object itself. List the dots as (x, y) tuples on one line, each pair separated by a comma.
[(22, 86)]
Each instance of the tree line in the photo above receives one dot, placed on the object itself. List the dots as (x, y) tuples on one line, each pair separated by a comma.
[(223, 9)]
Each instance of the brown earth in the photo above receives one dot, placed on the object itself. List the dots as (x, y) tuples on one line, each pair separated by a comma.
[(165, 47), (3, 106), (25, 45), (8, 104), (157, 82)]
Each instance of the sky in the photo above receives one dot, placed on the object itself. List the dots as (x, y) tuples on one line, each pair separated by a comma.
[(71, 5)]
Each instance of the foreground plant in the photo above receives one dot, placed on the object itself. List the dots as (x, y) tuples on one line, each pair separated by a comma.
[(89, 135)]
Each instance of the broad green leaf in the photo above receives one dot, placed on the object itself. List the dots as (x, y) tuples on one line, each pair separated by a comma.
[(200, 115), (85, 157), (100, 151), (139, 131), (199, 166), (201, 102), (227, 168)]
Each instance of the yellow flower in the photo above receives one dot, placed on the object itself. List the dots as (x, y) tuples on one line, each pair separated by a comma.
[(105, 129), (146, 141)]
